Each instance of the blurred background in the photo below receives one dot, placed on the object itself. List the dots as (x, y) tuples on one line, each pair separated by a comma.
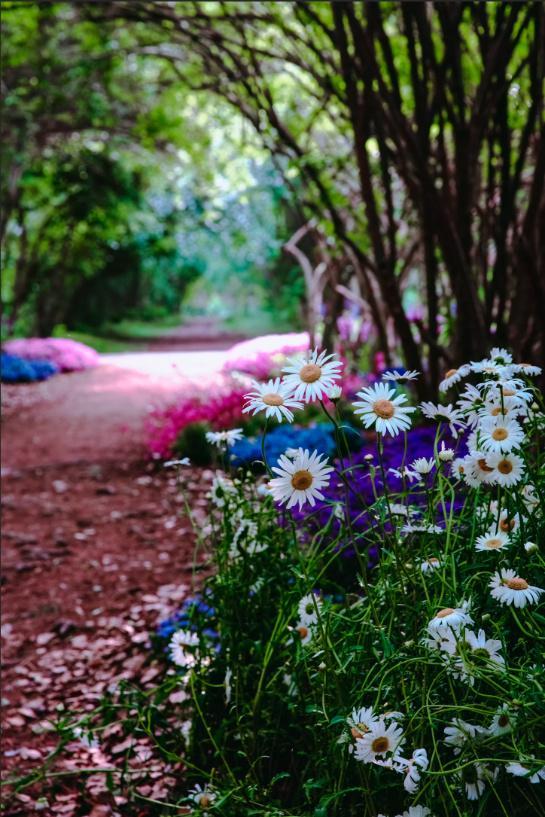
[(375, 169)]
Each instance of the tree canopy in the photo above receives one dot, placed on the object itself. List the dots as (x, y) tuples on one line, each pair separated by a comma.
[(410, 137)]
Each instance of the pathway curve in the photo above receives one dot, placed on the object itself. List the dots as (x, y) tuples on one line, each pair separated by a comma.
[(95, 550)]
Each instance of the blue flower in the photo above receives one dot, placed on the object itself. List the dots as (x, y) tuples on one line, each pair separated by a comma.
[(15, 369)]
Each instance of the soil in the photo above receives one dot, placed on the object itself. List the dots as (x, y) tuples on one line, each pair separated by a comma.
[(96, 550)]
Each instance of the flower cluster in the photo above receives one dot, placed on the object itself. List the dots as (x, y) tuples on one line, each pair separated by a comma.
[(14, 369), (218, 411), (403, 682), (67, 355)]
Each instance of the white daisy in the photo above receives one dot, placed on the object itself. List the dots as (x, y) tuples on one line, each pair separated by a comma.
[(470, 403), (400, 377), (492, 541), (508, 522), (311, 376), (482, 647), (178, 647), (444, 414), (397, 509), (380, 740), (412, 768), (453, 376), (526, 770), (475, 779), (458, 468), (422, 465), (489, 368), (452, 617), (508, 389), (499, 434), (429, 565), (245, 540), (500, 355), (299, 479), (379, 406), (442, 640), (361, 720), (220, 490), (477, 470), (494, 406), (529, 496), (309, 608), (224, 438), (459, 733), (274, 398), (305, 632), (507, 468), (508, 588), (202, 797), (502, 722), (528, 369), (403, 472), (416, 811)]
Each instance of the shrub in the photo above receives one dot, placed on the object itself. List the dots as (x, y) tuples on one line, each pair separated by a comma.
[(68, 355), (14, 369), (414, 686)]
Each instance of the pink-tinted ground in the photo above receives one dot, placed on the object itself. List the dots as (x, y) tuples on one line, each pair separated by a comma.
[(95, 551)]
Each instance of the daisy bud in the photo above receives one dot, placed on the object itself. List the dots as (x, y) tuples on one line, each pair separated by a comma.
[(485, 617), (322, 666), (445, 454), (335, 394), (531, 547), (368, 457)]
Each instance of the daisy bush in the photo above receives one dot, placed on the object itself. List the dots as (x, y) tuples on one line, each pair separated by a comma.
[(412, 687)]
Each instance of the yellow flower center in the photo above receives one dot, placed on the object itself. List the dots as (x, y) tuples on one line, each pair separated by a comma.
[(303, 631), (359, 730), (450, 373), (380, 745), (516, 583), (204, 801), (495, 411), (384, 409), (503, 721), (493, 543), (447, 611), (483, 466), (505, 467), (301, 480), (500, 434), (310, 373), (273, 399), (433, 561), (507, 525), (508, 392)]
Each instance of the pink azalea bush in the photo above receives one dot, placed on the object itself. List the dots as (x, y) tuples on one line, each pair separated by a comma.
[(221, 410), (68, 355), (265, 356)]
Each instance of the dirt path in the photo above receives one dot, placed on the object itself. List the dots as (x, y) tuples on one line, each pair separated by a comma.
[(95, 551)]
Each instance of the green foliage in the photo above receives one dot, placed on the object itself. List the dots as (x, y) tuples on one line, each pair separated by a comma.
[(124, 186)]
